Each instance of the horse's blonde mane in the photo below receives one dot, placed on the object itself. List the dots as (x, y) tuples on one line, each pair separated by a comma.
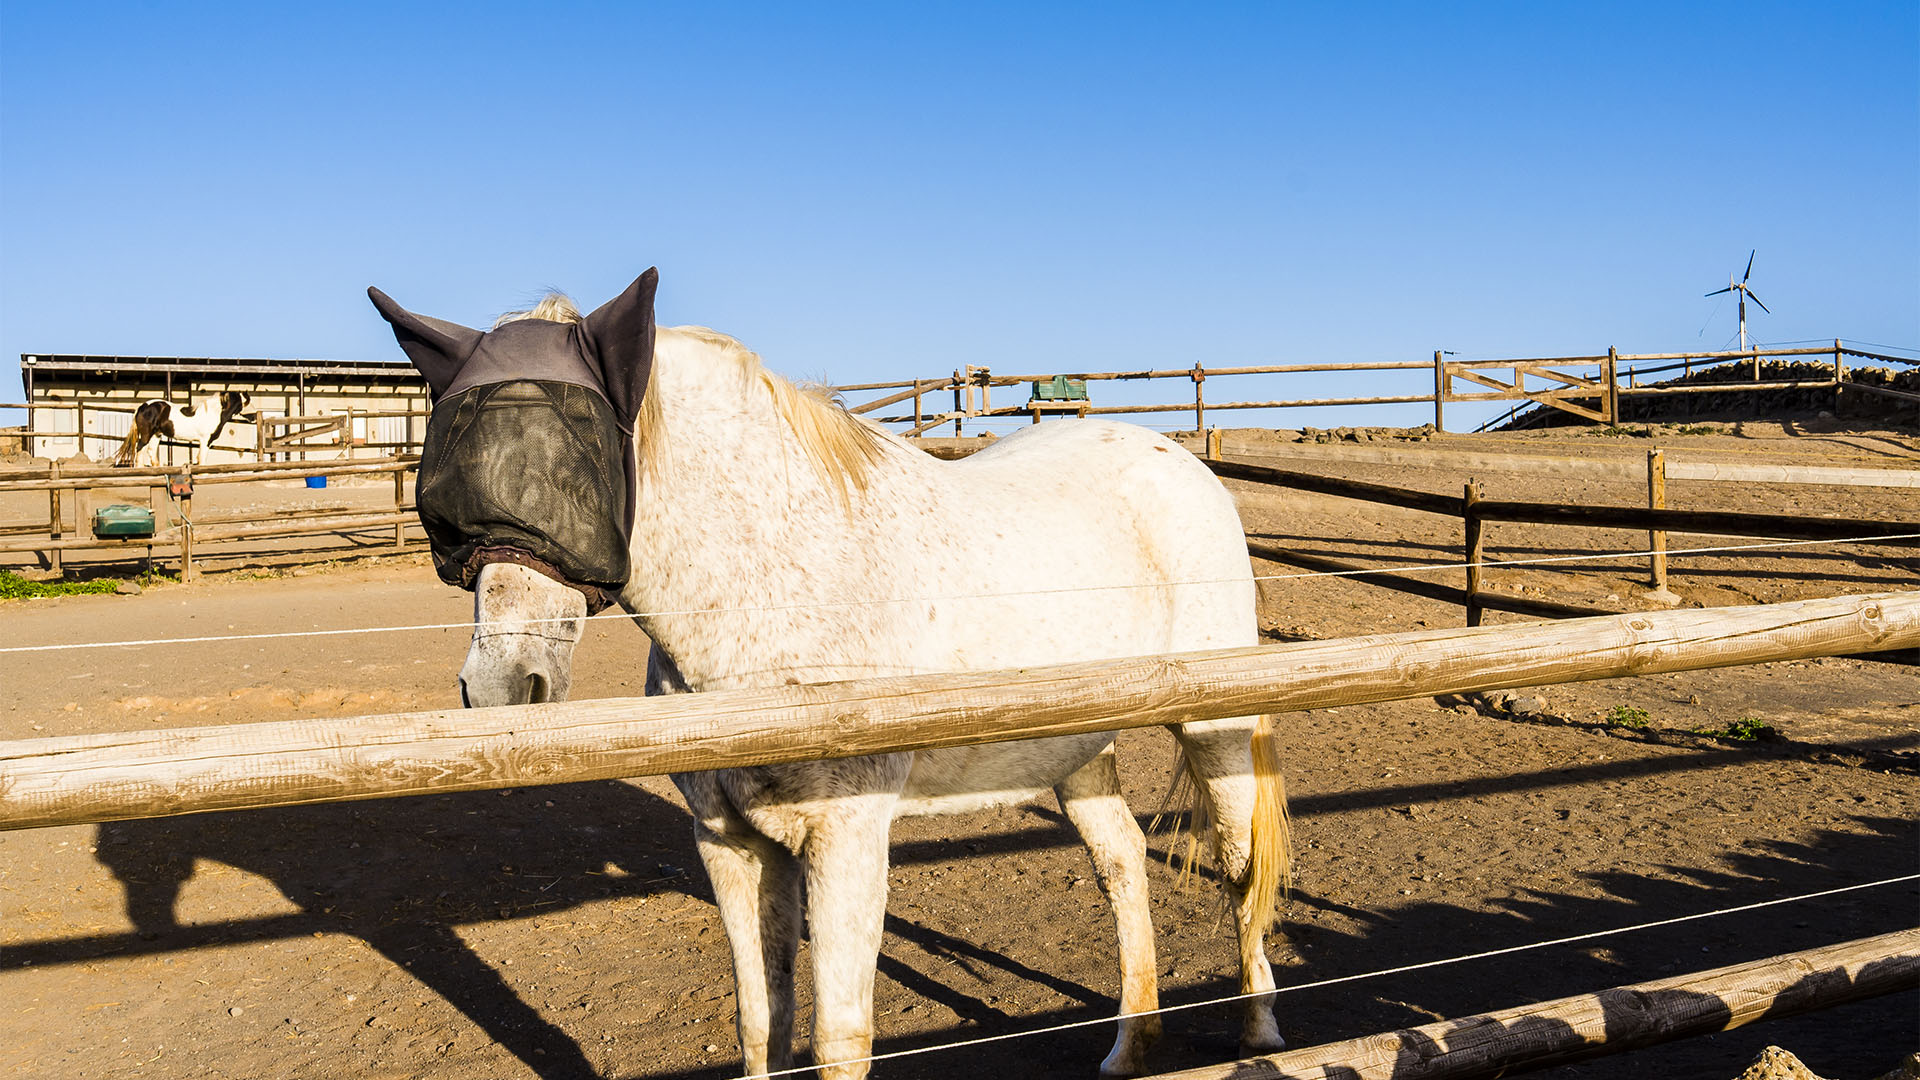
[(554, 307), (843, 446)]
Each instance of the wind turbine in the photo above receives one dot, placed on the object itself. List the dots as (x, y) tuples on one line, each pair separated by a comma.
[(1745, 295)]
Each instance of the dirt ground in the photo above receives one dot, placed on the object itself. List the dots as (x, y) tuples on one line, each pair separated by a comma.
[(567, 932)]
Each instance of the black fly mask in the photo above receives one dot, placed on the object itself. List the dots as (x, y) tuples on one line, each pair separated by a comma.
[(529, 453)]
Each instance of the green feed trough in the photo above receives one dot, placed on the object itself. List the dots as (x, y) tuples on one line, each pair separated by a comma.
[(121, 521)]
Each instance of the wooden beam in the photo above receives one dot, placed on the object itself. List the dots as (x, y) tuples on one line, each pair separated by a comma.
[(1620, 469), (1507, 390), (1545, 372), (156, 773), (1590, 1025), (1705, 522), (1349, 489)]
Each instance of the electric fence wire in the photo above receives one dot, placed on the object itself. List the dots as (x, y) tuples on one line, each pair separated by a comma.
[(960, 597)]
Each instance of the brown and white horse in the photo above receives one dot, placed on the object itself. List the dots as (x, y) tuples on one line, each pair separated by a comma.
[(198, 422)]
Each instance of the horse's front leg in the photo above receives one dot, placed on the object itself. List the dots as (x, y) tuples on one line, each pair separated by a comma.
[(846, 866), (756, 885), (1092, 801)]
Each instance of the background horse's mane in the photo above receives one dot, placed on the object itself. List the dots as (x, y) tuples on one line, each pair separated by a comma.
[(843, 446)]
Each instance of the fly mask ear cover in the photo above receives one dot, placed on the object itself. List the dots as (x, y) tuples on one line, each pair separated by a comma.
[(529, 454)]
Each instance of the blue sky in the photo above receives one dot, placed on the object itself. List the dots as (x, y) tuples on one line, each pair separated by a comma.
[(877, 191)]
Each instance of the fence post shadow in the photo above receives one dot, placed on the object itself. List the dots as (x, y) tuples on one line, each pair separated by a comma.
[(405, 892)]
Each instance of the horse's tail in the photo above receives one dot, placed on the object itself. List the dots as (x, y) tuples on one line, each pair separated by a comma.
[(1269, 871), (1270, 863), (130, 446)]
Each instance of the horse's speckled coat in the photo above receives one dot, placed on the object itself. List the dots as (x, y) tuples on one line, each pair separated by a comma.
[(757, 561)]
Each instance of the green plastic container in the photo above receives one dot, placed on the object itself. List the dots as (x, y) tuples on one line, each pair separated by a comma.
[(1060, 388), (123, 522)]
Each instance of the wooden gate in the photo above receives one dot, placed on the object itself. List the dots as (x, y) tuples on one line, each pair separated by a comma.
[(1592, 397)]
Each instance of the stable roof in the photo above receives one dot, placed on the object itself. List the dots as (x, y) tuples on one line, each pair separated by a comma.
[(250, 367)]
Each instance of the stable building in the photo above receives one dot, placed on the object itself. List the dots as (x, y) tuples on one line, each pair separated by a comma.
[(85, 405)]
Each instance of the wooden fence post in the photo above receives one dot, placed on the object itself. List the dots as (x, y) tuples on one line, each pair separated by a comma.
[(186, 536), (1439, 391), (1610, 403), (82, 510), (961, 393), (918, 418), (1213, 444), (1476, 551), (1657, 500), (399, 503), (1199, 375), (53, 506), (1839, 375)]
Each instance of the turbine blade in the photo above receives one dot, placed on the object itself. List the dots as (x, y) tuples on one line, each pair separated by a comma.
[(1717, 292), (1756, 300), (1749, 272)]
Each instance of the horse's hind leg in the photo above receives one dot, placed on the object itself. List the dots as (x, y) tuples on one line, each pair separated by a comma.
[(756, 885), (1250, 844), (1091, 799)]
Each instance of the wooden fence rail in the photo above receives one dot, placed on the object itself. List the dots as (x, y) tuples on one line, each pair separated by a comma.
[(1655, 518), (143, 774), (1608, 1022), (1587, 386), (71, 491)]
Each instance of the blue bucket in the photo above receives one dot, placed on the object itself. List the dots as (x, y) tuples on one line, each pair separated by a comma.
[(316, 481)]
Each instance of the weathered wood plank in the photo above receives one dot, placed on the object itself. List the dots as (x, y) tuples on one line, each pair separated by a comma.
[(1429, 455), (1432, 590), (1590, 1025), (1703, 522), (142, 774)]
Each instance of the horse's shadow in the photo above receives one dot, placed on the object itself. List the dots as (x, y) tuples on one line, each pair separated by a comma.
[(418, 869)]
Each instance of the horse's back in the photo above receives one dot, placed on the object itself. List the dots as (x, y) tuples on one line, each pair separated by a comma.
[(1093, 541), (1111, 520)]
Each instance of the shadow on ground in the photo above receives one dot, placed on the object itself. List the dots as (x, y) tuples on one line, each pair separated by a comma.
[(405, 875)]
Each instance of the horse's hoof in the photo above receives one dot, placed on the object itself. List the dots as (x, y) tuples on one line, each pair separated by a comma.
[(1267, 1042), (1128, 1057)]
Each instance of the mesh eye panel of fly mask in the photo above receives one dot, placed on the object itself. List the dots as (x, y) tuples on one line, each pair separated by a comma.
[(529, 454)]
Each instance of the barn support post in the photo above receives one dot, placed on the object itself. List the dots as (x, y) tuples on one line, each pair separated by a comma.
[(26, 381), (1476, 550), (1439, 391), (80, 427), (1608, 1022)]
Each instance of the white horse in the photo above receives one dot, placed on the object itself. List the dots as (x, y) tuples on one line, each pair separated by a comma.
[(197, 423), (779, 539)]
